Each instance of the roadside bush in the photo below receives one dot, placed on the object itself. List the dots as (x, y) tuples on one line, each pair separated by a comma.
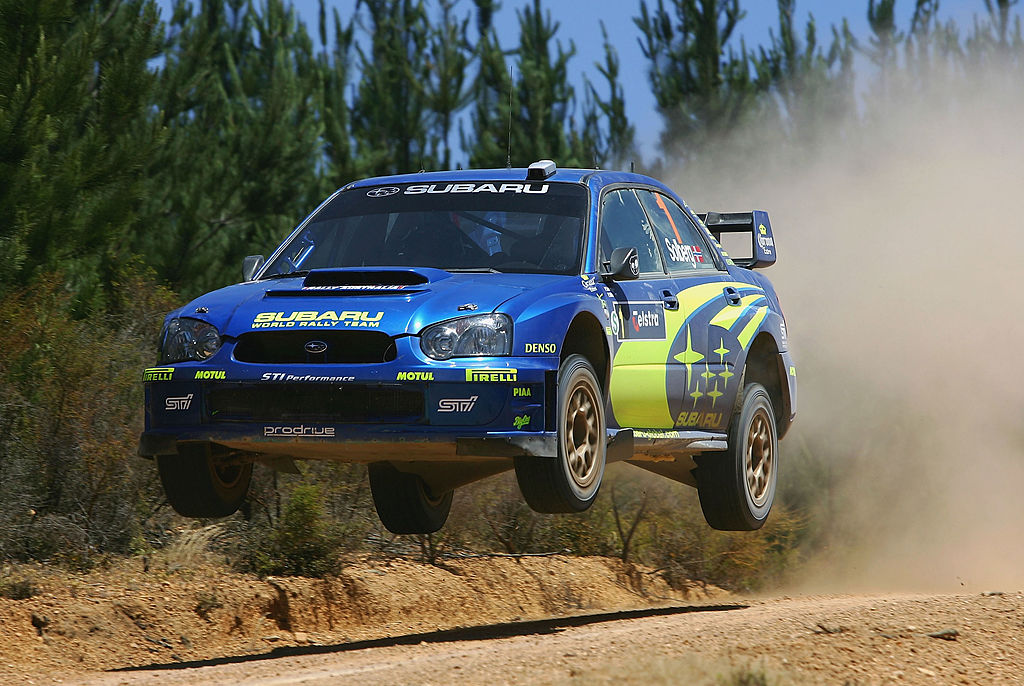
[(71, 486), (15, 585), (302, 542)]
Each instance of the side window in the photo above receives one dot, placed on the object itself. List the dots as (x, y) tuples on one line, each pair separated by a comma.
[(624, 224), (681, 242)]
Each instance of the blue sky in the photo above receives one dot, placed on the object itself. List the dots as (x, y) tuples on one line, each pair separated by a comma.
[(580, 22)]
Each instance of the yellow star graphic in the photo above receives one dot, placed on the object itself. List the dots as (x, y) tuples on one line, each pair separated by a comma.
[(721, 350), (689, 356), (696, 395), (715, 395)]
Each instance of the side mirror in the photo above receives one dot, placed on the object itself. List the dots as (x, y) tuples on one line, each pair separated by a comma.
[(623, 265), (250, 265)]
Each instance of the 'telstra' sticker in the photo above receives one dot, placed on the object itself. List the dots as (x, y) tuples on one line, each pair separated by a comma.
[(641, 321)]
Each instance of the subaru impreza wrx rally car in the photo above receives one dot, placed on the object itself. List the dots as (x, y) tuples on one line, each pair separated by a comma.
[(444, 327)]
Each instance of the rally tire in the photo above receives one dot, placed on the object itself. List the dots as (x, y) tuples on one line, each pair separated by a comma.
[(198, 485), (737, 487), (404, 503), (570, 481)]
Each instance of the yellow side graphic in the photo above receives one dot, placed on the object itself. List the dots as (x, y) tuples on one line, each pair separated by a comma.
[(728, 316), (638, 393), (751, 328), (638, 378)]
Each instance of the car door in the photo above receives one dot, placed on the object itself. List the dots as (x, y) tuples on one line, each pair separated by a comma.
[(641, 319), (701, 373)]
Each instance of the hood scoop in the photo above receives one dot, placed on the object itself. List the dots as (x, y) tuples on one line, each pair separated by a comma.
[(342, 282)]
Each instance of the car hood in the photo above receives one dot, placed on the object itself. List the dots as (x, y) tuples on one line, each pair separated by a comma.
[(391, 300)]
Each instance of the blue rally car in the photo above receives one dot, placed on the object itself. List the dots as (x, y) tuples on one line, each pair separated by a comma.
[(444, 327)]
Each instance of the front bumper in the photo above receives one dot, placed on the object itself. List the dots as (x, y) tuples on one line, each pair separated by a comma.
[(352, 447), (393, 411)]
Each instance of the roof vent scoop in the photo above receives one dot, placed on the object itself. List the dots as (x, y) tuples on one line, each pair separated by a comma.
[(540, 170)]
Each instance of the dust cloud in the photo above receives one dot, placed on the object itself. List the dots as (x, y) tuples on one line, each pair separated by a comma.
[(900, 247)]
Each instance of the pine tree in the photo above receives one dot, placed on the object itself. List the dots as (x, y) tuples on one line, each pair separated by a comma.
[(544, 99), (447, 94), (616, 136), (811, 85), (240, 93), (701, 88), (389, 112), (75, 134), (335, 67), (488, 143)]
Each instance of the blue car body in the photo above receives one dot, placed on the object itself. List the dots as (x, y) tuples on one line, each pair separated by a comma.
[(671, 351)]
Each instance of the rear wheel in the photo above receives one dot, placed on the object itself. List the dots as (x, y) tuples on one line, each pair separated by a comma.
[(570, 481), (737, 487), (405, 503), (199, 485)]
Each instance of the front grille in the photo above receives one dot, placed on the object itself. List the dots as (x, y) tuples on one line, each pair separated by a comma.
[(315, 402), (300, 347)]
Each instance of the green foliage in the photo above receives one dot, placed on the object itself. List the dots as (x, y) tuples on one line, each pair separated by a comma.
[(703, 90), (76, 133), (70, 411), (606, 118), (446, 89), (637, 517), (301, 543), (17, 586), (527, 111), (302, 526), (389, 111), (334, 65), (487, 144), (240, 95), (543, 96), (746, 676)]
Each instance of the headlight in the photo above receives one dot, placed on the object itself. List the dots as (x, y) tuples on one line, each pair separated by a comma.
[(189, 339), (475, 336)]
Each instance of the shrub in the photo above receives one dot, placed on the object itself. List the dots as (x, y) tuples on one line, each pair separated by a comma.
[(71, 486), (301, 543)]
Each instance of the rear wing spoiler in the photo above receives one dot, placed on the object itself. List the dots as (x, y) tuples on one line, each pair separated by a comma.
[(756, 224)]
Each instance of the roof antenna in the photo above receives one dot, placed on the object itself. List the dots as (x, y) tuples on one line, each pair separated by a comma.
[(632, 166), (508, 160)]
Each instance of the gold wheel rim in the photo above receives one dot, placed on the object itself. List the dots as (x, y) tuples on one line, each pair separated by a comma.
[(759, 458), (581, 435)]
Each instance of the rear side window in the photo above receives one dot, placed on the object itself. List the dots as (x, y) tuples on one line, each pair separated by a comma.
[(681, 242), (624, 225)]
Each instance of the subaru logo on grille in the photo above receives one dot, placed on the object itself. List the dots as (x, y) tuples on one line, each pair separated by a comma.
[(382, 192), (316, 347)]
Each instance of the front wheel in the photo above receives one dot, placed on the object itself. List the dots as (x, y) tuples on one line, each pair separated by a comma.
[(737, 487), (199, 485), (570, 481), (404, 503)]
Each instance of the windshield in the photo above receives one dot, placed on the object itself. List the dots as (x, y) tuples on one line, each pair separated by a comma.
[(506, 227)]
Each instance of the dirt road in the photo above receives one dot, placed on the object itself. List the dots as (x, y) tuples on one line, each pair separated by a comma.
[(817, 639), (552, 620)]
